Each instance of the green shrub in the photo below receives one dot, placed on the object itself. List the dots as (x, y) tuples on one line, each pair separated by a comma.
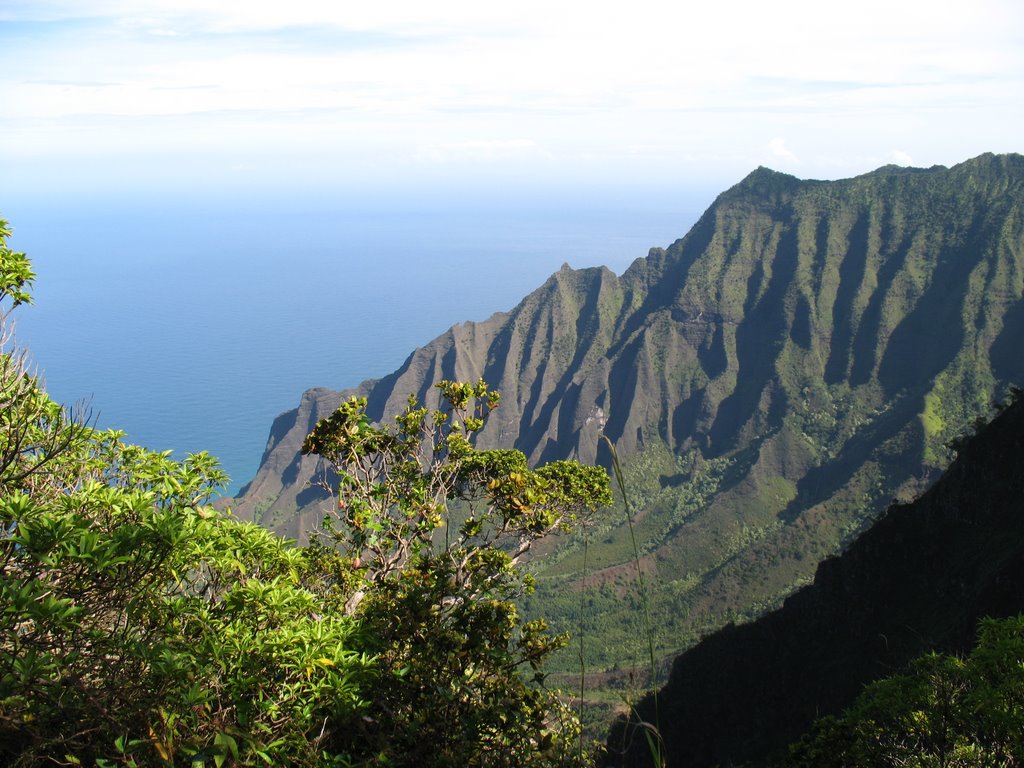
[(944, 711), (140, 626)]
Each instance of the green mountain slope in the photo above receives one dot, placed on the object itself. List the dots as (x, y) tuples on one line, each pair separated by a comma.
[(772, 380), (919, 580)]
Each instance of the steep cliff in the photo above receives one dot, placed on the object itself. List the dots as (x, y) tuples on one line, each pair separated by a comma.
[(773, 380), (918, 580)]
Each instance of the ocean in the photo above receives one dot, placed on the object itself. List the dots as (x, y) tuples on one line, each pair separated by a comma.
[(191, 324)]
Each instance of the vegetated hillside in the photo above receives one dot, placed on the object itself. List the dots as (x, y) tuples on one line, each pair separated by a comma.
[(772, 380), (918, 580)]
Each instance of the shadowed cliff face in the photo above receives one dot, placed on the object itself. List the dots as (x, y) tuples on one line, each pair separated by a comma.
[(772, 380), (917, 581)]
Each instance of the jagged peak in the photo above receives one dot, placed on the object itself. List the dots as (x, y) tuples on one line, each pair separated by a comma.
[(763, 173), (761, 183), (570, 275), (763, 179)]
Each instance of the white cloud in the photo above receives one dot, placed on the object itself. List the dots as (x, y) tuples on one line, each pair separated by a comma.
[(778, 150), (649, 88), (899, 157)]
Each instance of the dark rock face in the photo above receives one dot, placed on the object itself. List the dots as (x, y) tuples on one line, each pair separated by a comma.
[(286, 479), (772, 380), (918, 580)]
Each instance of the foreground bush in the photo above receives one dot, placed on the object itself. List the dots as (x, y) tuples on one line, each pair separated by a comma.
[(437, 586), (944, 711), (139, 626)]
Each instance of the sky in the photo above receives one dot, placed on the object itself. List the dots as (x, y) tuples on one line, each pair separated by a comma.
[(151, 96), (146, 140)]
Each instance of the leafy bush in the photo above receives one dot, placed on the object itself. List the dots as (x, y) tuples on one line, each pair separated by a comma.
[(945, 711), (438, 592), (140, 626)]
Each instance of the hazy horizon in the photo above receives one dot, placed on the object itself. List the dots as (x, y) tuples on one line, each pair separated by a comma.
[(192, 325), (132, 98), (189, 175)]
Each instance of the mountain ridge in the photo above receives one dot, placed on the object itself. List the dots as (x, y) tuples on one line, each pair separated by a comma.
[(772, 380)]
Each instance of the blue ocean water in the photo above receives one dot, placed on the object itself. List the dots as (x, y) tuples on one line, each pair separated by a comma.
[(191, 325)]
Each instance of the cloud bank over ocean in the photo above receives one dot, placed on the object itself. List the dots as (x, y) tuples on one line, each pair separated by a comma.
[(155, 91)]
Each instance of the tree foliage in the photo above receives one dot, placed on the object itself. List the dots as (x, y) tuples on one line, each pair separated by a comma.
[(16, 275), (944, 712), (435, 529), (140, 626)]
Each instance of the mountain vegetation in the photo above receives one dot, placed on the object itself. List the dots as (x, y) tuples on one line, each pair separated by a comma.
[(945, 710), (141, 627), (899, 609), (771, 381)]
